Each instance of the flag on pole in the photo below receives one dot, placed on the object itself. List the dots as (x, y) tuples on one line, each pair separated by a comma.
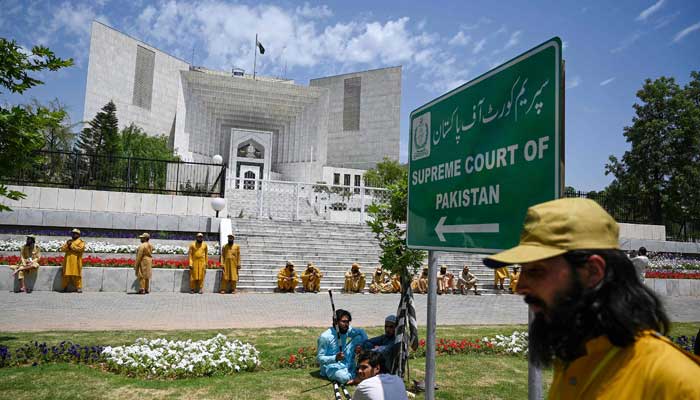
[(260, 46), (406, 328)]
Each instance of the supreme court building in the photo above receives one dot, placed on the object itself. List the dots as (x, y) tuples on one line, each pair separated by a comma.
[(265, 128)]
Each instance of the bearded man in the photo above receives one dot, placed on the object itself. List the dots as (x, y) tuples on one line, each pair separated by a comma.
[(600, 326)]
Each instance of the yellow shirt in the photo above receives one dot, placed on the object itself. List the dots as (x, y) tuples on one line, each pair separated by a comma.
[(651, 368), (198, 258), (231, 261), (73, 258)]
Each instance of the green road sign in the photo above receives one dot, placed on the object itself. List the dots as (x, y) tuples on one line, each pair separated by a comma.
[(481, 154)]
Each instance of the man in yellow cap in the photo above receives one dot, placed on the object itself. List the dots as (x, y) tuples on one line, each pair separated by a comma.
[(231, 263), (72, 271), (420, 284), (445, 281), (467, 281), (594, 320), (499, 277), (311, 278), (29, 262), (198, 260), (287, 279), (379, 281), (144, 262), (354, 280), (514, 276)]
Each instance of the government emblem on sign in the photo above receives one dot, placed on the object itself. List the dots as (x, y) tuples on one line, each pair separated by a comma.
[(421, 137)]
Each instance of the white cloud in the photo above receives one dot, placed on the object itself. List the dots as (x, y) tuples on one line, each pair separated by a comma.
[(607, 81), (513, 40), (71, 19), (479, 46), (314, 12), (685, 32), (573, 82), (666, 19), (649, 11), (460, 39), (627, 42), (564, 45)]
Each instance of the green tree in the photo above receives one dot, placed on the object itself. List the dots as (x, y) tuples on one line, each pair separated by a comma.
[(21, 128), (387, 221), (662, 168), (101, 143), (141, 149), (136, 143), (386, 172), (102, 134)]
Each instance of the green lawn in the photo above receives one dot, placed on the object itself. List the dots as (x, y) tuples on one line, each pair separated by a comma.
[(459, 377)]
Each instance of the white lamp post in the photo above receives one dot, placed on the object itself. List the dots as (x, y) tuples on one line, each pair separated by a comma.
[(217, 159), (218, 204)]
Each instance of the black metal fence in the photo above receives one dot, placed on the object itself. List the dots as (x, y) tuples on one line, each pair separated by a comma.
[(125, 174), (633, 210)]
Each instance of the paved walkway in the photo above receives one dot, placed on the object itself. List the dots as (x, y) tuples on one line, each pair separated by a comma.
[(41, 311)]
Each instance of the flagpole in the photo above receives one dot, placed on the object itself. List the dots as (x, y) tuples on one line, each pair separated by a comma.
[(255, 57)]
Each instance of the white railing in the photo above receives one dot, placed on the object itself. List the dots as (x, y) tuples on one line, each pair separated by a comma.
[(301, 201)]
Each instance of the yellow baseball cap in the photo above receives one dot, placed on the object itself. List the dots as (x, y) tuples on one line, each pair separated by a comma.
[(76, 230), (145, 235), (556, 227)]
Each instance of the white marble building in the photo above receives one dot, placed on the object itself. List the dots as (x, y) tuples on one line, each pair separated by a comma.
[(267, 128)]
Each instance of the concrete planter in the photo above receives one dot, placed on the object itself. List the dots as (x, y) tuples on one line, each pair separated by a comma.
[(96, 279)]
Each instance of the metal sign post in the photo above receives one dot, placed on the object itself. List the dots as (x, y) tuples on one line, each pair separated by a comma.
[(479, 156), (432, 323)]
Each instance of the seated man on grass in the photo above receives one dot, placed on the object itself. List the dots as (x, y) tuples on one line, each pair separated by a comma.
[(337, 349), (374, 381)]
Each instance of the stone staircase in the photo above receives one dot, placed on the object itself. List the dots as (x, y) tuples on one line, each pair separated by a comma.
[(266, 245)]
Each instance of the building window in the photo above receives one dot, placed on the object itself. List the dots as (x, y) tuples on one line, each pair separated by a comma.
[(347, 179), (143, 77), (336, 179), (357, 183), (351, 104)]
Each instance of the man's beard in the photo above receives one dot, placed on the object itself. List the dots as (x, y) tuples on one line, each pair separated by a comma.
[(565, 328)]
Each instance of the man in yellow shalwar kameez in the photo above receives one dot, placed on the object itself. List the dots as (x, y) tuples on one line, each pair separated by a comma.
[(144, 263), (445, 281), (231, 263), (354, 280), (499, 277), (311, 278), (199, 259), (514, 276), (287, 279), (29, 262), (379, 279), (420, 284), (73, 262)]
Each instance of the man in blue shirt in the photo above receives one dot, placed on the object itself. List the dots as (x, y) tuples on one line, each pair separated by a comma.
[(384, 344), (337, 349)]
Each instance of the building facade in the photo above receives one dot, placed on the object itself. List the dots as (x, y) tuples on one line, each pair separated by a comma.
[(265, 128)]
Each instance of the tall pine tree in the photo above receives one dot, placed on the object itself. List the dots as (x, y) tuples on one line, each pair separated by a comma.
[(102, 135), (100, 142)]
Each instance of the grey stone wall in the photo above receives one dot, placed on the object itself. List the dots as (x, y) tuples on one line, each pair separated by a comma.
[(111, 76), (380, 107)]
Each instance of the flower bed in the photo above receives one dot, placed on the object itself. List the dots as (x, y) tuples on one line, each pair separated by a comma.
[(104, 233), (104, 247), (671, 275), (515, 344), (684, 342), (108, 262), (181, 359), (35, 353), (664, 261), (303, 358)]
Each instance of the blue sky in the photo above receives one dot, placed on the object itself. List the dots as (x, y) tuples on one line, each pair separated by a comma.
[(609, 48)]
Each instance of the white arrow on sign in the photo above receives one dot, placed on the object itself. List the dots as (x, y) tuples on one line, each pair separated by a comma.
[(441, 228)]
